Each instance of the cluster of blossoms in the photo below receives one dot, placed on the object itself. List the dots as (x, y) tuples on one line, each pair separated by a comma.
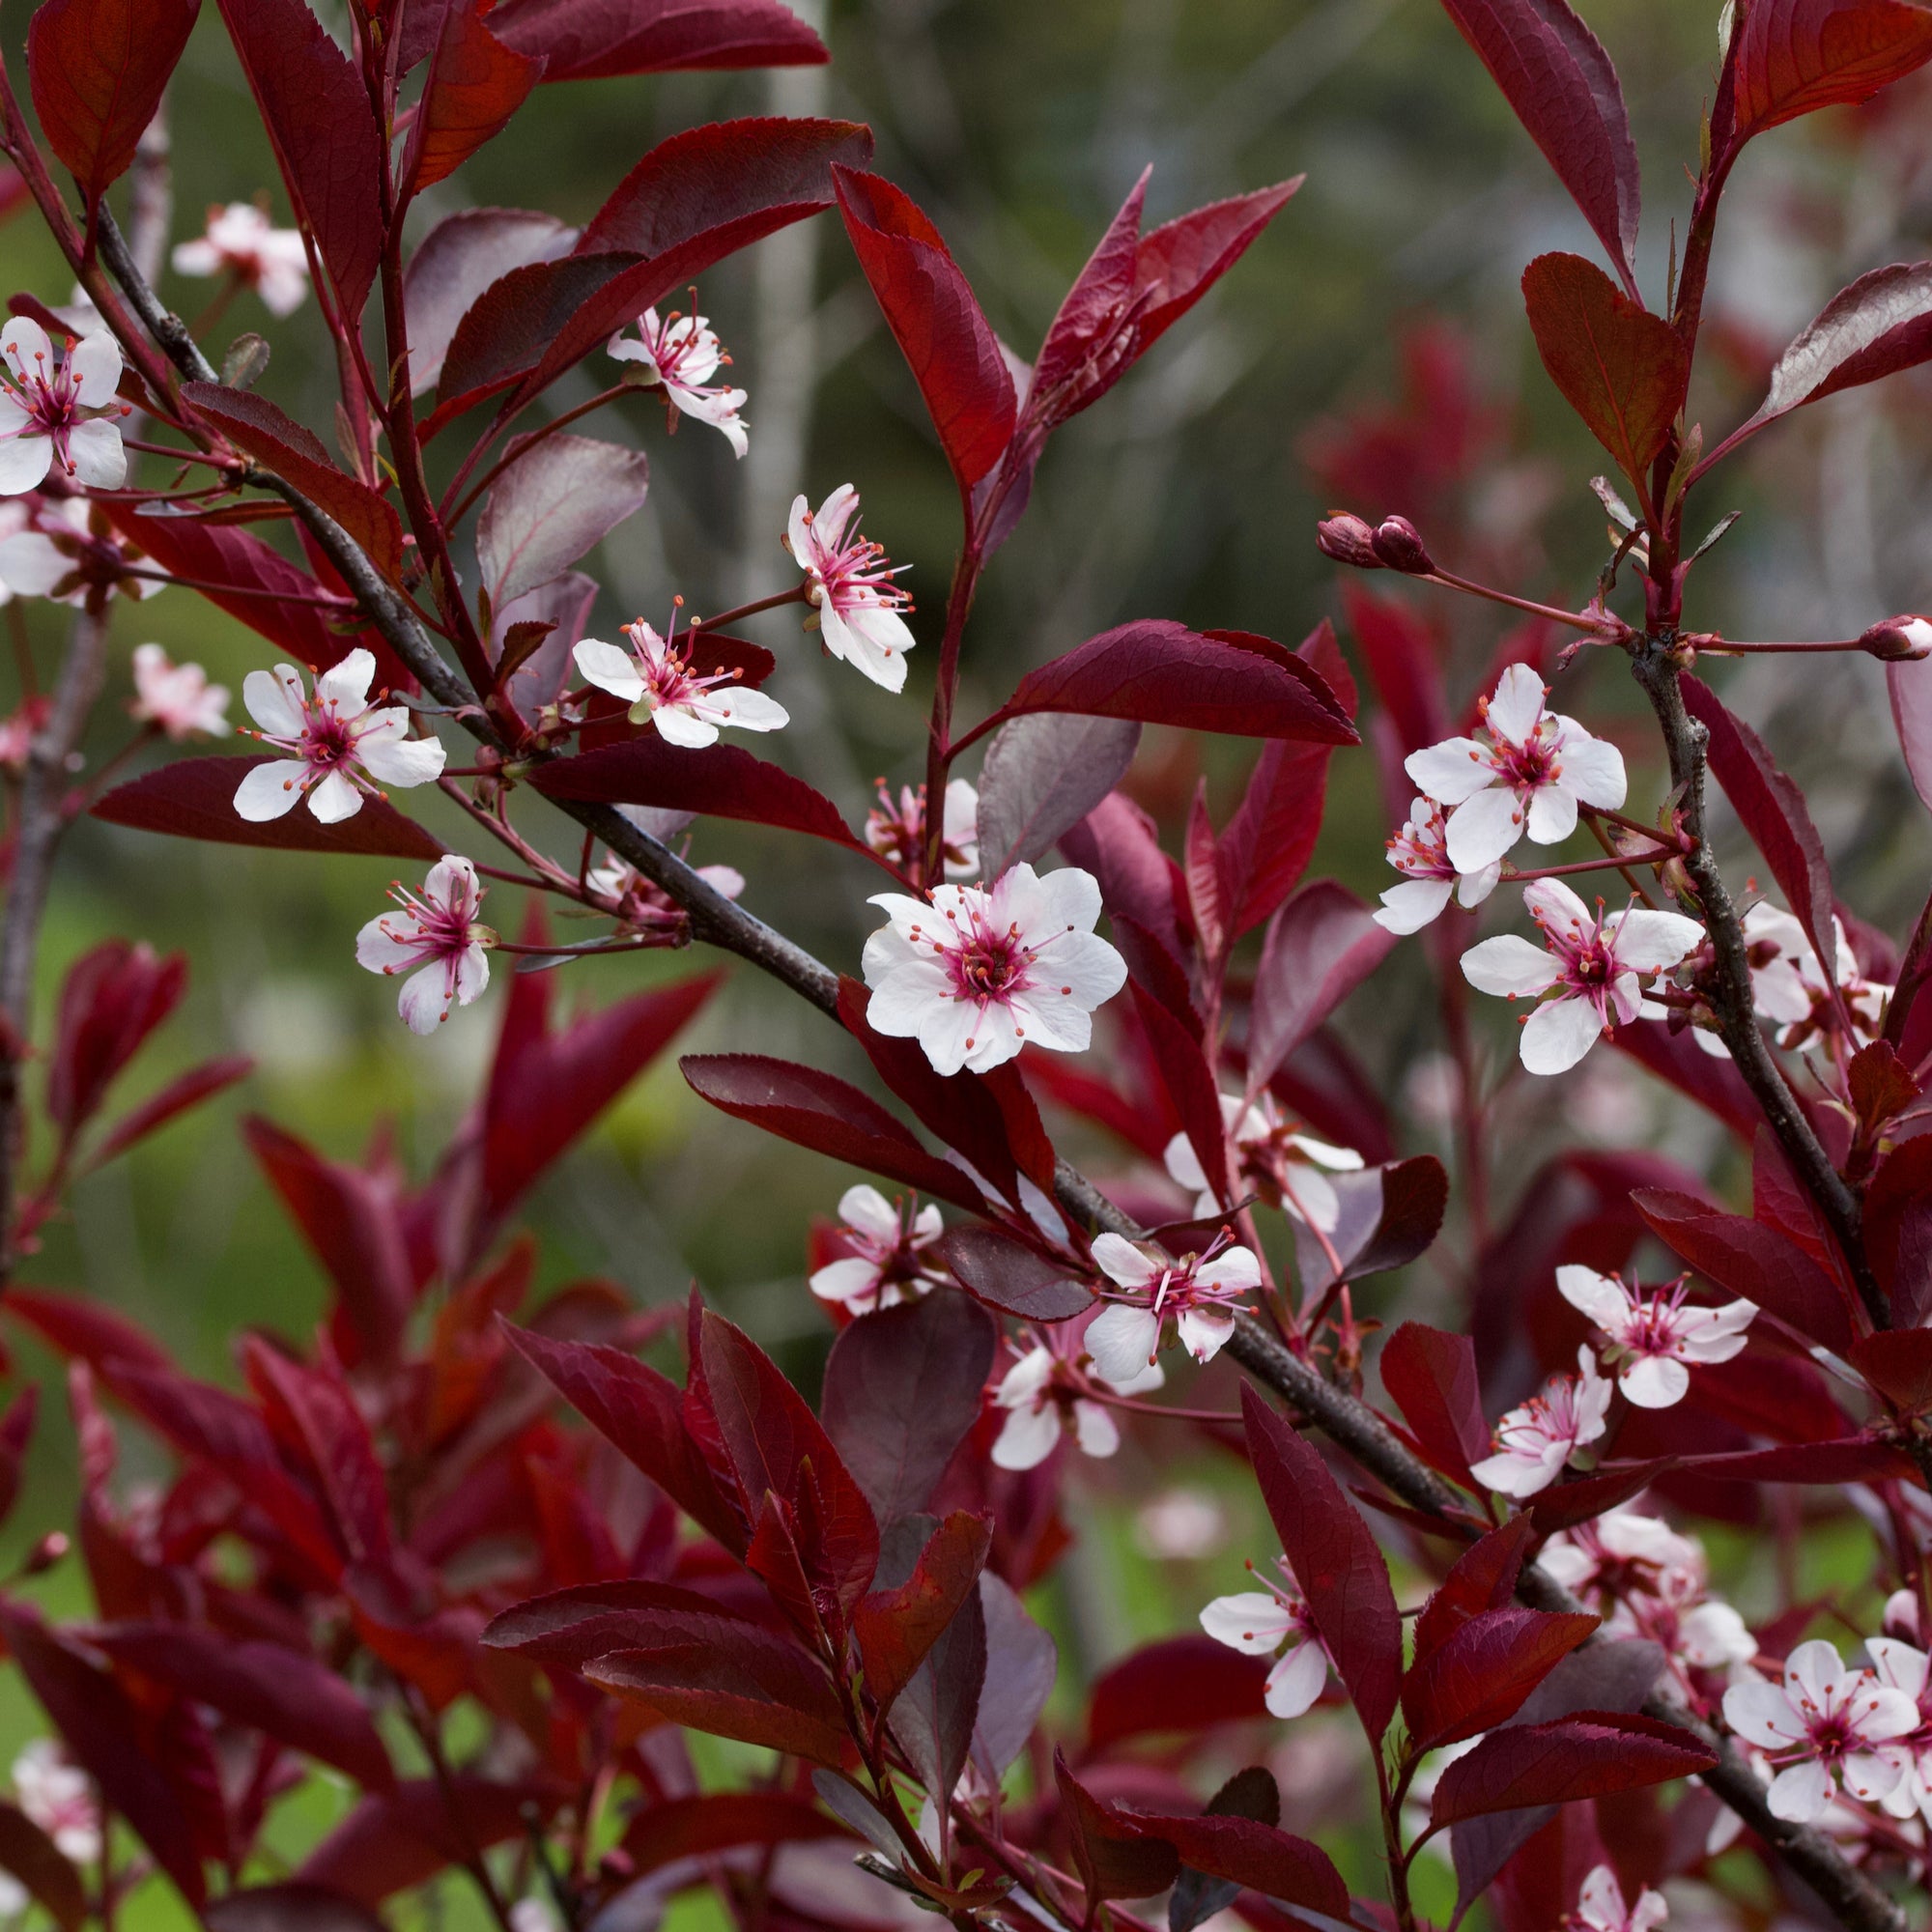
[(896, 828), (240, 242), (1789, 987)]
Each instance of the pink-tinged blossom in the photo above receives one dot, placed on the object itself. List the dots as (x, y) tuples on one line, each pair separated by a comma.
[(342, 746), (1656, 1336), (680, 355), (1260, 1622), (239, 240), (887, 1254), (896, 830), (850, 585), (1202, 1292), (1420, 853), (1527, 771), (1788, 984), (1535, 1441), (65, 550), (1048, 1392), (434, 938), (177, 698), (976, 973), (643, 905), (656, 681), (59, 417), (1275, 1160), (1822, 1726), (1904, 1667), (19, 729), (56, 1794), (1593, 963), (1600, 1907)]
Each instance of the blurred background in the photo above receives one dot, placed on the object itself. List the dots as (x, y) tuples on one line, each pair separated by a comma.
[(1369, 353)]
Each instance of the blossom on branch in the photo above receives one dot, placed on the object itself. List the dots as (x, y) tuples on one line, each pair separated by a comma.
[(433, 937), (240, 242), (656, 681), (57, 1795), (1593, 963), (177, 698), (1600, 1907), (1823, 1725), (1202, 1292), (977, 973), (888, 1258), (680, 355), (1535, 1441), (1261, 1622), (1527, 771), (342, 746), (1654, 1336), (1048, 1392), (1420, 852), (1788, 985), (63, 414), (850, 587), (1906, 1669), (65, 549), (897, 831), (1281, 1164)]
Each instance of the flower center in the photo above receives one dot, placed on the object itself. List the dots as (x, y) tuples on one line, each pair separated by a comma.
[(328, 741), (988, 965)]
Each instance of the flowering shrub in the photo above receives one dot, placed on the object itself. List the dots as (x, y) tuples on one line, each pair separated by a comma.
[(469, 1551)]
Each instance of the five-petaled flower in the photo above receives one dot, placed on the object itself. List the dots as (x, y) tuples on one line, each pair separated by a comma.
[(897, 831), (680, 355), (1527, 771), (57, 1795), (1906, 1669), (1275, 1617), (1201, 1291), (342, 746), (655, 680), (1823, 1724), (850, 587), (1654, 1336), (433, 937), (887, 1256), (240, 242), (1535, 1441), (63, 414), (1594, 963), (177, 697), (1274, 1157), (1600, 1907), (1788, 984), (1050, 1392), (65, 550), (1420, 853), (976, 973)]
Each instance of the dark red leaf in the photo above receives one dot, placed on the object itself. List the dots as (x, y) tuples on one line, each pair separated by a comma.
[(1163, 673), (1752, 1259), (1590, 1756), (1115, 1860), (456, 261), (1857, 1458), (1043, 774), (552, 505), (1404, 658), (473, 86), (317, 1423), (815, 1110), (1190, 1082), (1899, 1364), (17, 1432), (1622, 369), (84, 1330), (1880, 1087), (1320, 947), (1431, 1376), (1336, 1564), (759, 1689), (317, 112), (1480, 1673), (585, 40), (676, 1829), (1792, 57), (33, 1857), (1021, 1664), (112, 999), (194, 798), (1556, 76), (393, 1841), (1005, 1273), (1482, 1578), (928, 305), (98, 69), (572, 1628), (1388, 1216), (189, 1090), (1898, 1228), (1582, 1499), (1181, 1684), (1255, 1856), (256, 428), (1774, 812), (897, 1628), (901, 1389), (291, 1907)]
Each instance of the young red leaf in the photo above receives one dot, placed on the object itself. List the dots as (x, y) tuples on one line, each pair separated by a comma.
[(897, 1628), (29, 1854), (1431, 1376), (1253, 1855), (1115, 1860), (1007, 1273), (1320, 947), (1594, 1754), (585, 40), (759, 1689), (1898, 1228), (98, 69), (256, 428), (473, 86), (1752, 1259), (395, 1840), (1553, 71), (317, 112), (1774, 812), (1186, 1682), (902, 1387), (112, 999), (1481, 1672), (317, 1424), (1043, 774), (456, 261), (928, 305), (85, 1330), (1899, 1364), (1188, 1081), (815, 1110), (934, 1717), (194, 798), (17, 1432), (1793, 57), (1482, 1578), (1622, 369), (1163, 673), (1404, 658), (572, 1628), (1341, 1573)]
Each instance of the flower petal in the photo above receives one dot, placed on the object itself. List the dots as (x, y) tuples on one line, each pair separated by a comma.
[(1557, 1035)]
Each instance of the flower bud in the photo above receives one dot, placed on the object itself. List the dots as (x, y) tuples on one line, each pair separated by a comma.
[(1899, 639), (1400, 545), (1348, 540)]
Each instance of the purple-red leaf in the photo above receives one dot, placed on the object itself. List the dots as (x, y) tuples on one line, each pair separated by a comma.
[(111, 999), (1115, 1860), (1043, 774), (1431, 1376), (1005, 1273), (473, 86), (1553, 71), (1481, 1672), (897, 1628), (555, 502), (1187, 1683), (1482, 1578), (1255, 1856), (1622, 369), (1320, 947), (464, 254), (585, 40), (29, 1854), (194, 798), (1594, 1754), (395, 1840), (1792, 57), (98, 69), (188, 1090), (759, 1689), (1339, 1569), (1388, 1216)]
